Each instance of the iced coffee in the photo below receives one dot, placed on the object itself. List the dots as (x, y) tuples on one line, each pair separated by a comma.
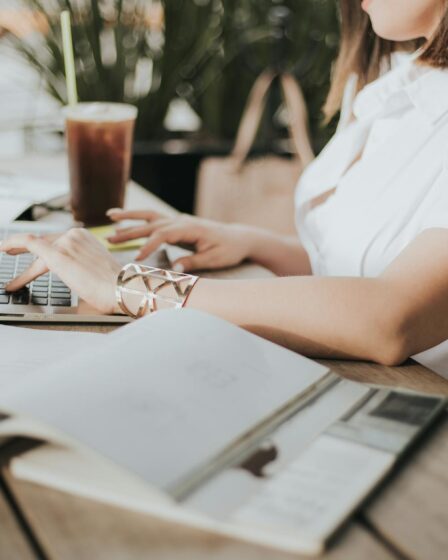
[(99, 142)]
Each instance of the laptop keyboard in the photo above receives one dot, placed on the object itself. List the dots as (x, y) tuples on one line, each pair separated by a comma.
[(46, 290)]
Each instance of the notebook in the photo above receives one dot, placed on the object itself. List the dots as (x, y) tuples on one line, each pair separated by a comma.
[(187, 417)]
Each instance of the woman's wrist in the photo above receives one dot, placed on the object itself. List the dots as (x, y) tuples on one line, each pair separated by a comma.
[(255, 239), (284, 255), (265, 246)]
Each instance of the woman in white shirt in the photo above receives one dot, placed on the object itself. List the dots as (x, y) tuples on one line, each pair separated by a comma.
[(368, 278)]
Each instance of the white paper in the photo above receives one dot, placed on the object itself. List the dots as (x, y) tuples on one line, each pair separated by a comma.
[(222, 494), (10, 209), (19, 192), (435, 359), (166, 394), (24, 351), (83, 473), (318, 490)]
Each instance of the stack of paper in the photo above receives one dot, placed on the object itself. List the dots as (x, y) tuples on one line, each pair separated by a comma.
[(19, 192)]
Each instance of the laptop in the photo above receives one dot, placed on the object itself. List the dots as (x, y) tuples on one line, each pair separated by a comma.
[(48, 299)]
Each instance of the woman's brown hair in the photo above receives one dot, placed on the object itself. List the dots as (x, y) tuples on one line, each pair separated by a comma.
[(363, 53)]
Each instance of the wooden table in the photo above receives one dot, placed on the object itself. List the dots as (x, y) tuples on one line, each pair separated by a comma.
[(407, 518)]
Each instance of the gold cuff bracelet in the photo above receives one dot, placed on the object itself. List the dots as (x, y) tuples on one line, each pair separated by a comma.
[(147, 289)]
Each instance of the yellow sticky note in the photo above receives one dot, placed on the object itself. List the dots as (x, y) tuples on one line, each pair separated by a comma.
[(103, 232)]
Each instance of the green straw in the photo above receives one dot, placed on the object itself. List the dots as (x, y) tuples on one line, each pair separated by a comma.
[(69, 59)]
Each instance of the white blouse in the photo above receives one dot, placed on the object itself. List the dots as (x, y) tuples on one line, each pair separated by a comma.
[(397, 188)]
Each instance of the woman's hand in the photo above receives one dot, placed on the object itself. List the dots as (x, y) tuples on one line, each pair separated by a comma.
[(216, 245), (77, 258)]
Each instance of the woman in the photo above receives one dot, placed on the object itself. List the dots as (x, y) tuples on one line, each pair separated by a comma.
[(368, 278)]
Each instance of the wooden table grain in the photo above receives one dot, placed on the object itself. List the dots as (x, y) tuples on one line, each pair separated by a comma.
[(407, 518), (72, 528), (13, 542)]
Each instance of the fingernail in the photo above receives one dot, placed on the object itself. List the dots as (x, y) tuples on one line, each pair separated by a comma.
[(113, 211), (178, 267)]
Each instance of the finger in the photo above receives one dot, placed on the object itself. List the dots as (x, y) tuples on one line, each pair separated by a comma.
[(173, 234), (118, 230), (37, 245), (17, 243), (20, 250), (116, 214), (153, 244), (12, 249), (38, 268), (137, 232), (198, 261)]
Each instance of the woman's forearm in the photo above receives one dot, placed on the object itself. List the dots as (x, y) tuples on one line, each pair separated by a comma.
[(283, 255), (320, 317)]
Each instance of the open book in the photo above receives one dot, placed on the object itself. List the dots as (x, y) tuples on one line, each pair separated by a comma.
[(187, 417)]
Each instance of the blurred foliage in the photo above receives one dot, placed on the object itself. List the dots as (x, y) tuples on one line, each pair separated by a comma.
[(147, 52), (125, 50), (300, 36)]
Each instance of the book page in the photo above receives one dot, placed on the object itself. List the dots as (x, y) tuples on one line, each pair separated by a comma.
[(166, 394), (24, 351), (435, 359)]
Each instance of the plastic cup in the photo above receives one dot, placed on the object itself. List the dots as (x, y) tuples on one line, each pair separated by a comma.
[(99, 142)]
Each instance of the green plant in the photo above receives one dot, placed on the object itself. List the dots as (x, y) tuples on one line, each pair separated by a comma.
[(148, 52), (300, 36), (125, 50)]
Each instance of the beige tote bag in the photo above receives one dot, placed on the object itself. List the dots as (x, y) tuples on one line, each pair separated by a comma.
[(257, 191)]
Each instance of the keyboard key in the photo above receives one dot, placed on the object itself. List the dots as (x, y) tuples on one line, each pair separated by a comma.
[(21, 298), (39, 300), (60, 290), (39, 289), (61, 302)]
